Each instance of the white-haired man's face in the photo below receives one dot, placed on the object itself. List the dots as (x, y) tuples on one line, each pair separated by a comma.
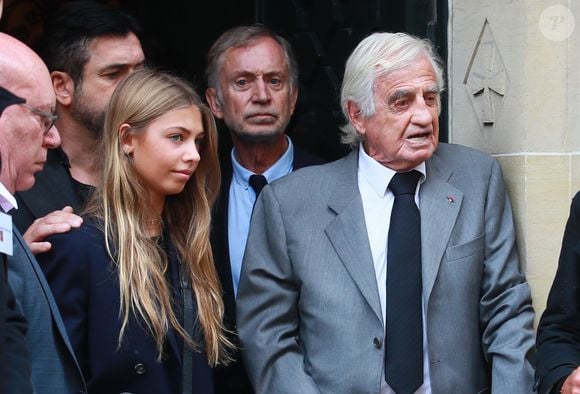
[(404, 131)]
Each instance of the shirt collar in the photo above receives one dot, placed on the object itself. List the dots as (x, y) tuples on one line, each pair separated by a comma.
[(7, 200), (281, 167), (377, 175)]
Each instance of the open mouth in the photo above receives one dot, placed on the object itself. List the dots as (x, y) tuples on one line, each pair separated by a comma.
[(420, 138)]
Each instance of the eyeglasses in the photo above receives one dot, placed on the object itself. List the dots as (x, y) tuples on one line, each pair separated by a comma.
[(47, 118)]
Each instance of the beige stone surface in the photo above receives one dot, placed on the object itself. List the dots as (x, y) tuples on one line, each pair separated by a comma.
[(575, 173), (547, 206), (514, 88)]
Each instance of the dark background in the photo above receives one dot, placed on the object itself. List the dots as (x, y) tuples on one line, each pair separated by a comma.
[(178, 33)]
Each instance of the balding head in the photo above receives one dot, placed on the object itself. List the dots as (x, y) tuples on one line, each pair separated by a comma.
[(23, 141), (23, 72)]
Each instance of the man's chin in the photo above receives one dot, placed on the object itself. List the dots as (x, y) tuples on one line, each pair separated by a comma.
[(258, 136), (25, 184)]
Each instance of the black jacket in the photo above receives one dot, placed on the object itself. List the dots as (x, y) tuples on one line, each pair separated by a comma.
[(558, 340)]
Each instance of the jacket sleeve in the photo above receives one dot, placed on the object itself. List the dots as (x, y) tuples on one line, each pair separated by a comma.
[(267, 306), (506, 313), (558, 340)]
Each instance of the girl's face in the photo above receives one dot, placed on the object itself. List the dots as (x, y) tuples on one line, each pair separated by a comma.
[(166, 152)]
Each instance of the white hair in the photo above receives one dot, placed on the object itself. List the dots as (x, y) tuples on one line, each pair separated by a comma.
[(379, 55)]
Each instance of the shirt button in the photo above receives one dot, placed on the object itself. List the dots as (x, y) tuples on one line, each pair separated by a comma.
[(139, 369), (378, 342)]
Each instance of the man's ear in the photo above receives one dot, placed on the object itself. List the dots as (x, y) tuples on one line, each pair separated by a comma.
[(355, 116), (214, 103), (126, 139), (63, 86)]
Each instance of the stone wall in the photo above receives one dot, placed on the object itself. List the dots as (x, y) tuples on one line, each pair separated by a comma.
[(515, 93)]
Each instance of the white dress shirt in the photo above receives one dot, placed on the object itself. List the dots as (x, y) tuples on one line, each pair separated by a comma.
[(7, 200), (377, 200)]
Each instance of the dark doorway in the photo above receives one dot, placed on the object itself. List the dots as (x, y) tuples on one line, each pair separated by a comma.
[(178, 34), (323, 34)]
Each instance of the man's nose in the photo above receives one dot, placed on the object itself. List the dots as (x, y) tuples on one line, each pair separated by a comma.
[(422, 113), (261, 93), (52, 138)]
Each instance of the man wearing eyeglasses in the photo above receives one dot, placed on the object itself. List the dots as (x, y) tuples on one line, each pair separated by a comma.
[(89, 49), (26, 133), (14, 356)]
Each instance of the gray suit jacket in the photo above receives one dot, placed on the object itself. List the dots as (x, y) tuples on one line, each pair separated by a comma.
[(309, 315), (54, 366)]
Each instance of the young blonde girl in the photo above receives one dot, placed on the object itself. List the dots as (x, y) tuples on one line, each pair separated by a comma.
[(136, 284)]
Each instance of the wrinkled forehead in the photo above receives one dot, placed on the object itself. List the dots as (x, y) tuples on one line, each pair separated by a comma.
[(261, 52)]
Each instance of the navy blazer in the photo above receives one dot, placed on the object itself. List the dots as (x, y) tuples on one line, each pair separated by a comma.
[(86, 287), (233, 378), (558, 340)]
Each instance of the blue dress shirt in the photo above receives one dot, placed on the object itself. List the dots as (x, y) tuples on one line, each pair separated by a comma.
[(241, 204)]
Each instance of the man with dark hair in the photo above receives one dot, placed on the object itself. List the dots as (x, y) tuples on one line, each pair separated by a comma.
[(89, 48), (252, 79), (26, 133)]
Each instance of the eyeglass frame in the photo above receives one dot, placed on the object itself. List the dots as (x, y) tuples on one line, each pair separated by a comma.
[(45, 116)]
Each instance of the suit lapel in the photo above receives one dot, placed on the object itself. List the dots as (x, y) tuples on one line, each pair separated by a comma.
[(440, 203), (348, 233), (220, 242)]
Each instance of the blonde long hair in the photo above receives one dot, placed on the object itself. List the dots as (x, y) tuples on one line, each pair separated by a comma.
[(121, 206)]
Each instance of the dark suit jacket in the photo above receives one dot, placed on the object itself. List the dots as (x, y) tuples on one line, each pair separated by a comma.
[(14, 355), (54, 367), (14, 358), (52, 190), (233, 378), (558, 340), (86, 288)]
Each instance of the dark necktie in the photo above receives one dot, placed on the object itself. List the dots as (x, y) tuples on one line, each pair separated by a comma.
[(258, 182), (404, 326)]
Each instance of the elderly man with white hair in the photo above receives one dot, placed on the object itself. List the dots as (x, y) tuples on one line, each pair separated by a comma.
[(394, 269)]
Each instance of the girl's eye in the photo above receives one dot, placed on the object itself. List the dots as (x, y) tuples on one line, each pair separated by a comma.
[(176, 137)]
